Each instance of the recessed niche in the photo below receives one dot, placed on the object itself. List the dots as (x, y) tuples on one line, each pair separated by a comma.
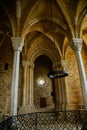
[(6, 66)]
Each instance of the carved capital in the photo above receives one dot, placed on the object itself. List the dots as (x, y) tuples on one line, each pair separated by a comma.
[(31, 64), (59, 64), (76, 44), (17, 43), (24, 63)]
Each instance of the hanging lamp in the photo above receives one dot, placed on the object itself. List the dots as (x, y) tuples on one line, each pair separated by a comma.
[(56, 73)]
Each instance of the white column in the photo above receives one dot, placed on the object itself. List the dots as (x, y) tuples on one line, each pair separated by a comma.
[(17, 44), (76, 45)]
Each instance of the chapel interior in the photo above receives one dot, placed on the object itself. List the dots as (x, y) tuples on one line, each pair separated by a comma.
[(37, 37)]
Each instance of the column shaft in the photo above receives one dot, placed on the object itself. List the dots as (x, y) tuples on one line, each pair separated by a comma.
[(31, 95), (25, 87), (60, 87), (17, 47), (76, 45), (15, 83), (82, 77)]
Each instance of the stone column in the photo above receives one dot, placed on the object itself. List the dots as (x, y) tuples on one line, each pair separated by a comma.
[(17, 44), (60, 88), (24, 108), (25, 64), (63, 86), (57, 88), (31, 85), (76, 45), (28, 95)]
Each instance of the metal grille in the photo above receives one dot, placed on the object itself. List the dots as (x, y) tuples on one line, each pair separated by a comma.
[(56, 120), (59, 120)]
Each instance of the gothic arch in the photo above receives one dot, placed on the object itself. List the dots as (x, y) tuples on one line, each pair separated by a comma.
[(42, 51)]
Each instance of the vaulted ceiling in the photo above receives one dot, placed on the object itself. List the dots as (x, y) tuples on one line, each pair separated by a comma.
[(56, 20)]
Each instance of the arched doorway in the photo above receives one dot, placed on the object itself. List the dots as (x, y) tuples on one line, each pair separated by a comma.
[(44, 88)]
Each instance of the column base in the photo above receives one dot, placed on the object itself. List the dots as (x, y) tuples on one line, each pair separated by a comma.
[(72, 107), (67, 107), (60, 107), (26, 109)]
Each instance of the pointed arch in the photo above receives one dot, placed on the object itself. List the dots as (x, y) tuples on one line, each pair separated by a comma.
[(11, 18), (80, 21), (65, 14)]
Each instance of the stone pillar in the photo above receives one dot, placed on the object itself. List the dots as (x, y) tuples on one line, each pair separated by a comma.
[(25, 64), (31, 85), (17, 44), (63, 86), (57, 88), (76, 45), (24, 108), (60, 88), (28, 95)]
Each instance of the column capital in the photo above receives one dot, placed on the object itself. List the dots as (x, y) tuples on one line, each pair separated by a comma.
[(25, 63), (31, 64), (17, 43), (59, 64), (62, 62), (76, 44)]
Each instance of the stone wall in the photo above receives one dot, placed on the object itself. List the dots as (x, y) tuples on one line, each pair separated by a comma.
[(6, 61), (74, 92)]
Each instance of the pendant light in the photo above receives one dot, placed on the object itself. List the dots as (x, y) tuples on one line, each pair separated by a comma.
[(56, 73)]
